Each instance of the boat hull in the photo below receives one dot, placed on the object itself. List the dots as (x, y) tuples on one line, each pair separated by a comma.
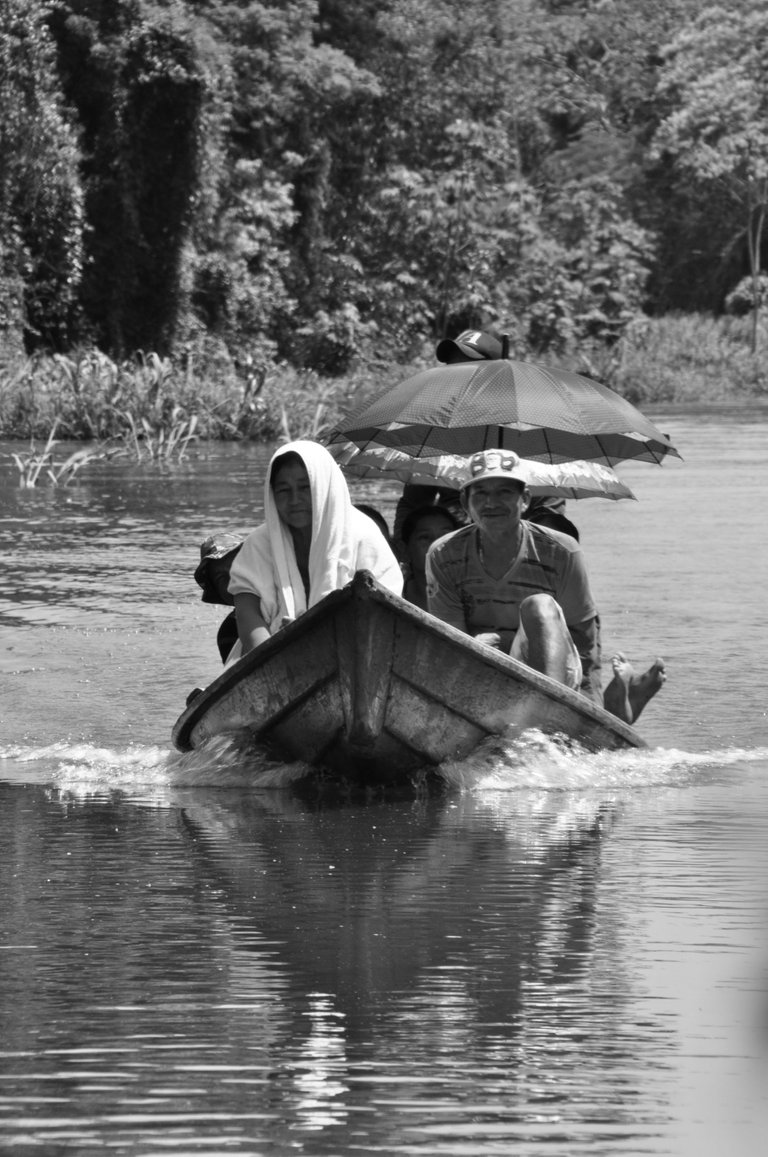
[(373, 688)]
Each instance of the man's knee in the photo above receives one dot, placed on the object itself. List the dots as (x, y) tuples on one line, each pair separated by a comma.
[(539, 611)]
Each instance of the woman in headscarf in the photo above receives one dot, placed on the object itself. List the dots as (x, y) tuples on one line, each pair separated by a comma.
[(311, 543)]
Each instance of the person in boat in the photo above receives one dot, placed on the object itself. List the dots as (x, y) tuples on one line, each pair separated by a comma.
[(377, 517), (545, 510), (217, 553), (311, 543), (421, 528), (524, 589)]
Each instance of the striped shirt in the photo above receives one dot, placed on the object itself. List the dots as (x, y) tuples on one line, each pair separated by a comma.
[(461, 592)]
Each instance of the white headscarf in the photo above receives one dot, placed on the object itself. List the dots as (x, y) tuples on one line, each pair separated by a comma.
[(343, 539)]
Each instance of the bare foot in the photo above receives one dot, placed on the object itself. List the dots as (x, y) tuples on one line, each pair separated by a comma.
[(642, 688), (627, 693)]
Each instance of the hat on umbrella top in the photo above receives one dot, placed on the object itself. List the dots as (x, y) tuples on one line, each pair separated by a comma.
[(471, 345), (495, 464)]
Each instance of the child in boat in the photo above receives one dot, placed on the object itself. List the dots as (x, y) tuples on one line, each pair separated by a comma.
[(377, 517), (311, 543), (421, 528)]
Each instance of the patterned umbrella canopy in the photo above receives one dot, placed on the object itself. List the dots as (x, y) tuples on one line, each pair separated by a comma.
[(565, 479), (540, 412)]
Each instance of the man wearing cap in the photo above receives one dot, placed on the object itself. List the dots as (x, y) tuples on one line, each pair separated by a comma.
[(515, 585), (524, 589)]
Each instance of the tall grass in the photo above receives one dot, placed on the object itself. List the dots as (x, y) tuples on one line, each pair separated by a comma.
[(158, 406), (32, 464), (692, 359)]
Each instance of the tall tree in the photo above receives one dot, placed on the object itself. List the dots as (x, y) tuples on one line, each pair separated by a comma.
[(140, 74), (296, 99), (715, 78), (41, 199)]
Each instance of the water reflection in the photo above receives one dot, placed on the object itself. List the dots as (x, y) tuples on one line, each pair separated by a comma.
[(388, 974), (411, 933), (293, 956)]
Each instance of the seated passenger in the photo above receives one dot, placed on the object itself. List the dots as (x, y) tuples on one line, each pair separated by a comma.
[(546, 510), (311, 543), (421, 528), (217, 554), (377, 517), (524, 589)]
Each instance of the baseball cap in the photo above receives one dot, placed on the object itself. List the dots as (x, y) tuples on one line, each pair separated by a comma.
[(472, 344), (495, 464)]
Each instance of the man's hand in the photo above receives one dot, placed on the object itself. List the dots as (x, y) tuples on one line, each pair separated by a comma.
[(491, 639)]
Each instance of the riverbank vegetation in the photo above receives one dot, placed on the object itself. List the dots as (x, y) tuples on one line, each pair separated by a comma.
[(157, 405), (238, 220)]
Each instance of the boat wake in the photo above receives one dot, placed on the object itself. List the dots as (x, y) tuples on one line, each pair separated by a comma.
[(533, 760), (536, 760), (85, 768)]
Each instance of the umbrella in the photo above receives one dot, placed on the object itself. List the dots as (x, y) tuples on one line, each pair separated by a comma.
[(540, 412), (566, 479)]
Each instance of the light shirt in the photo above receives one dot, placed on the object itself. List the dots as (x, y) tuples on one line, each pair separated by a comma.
[(461, 592)]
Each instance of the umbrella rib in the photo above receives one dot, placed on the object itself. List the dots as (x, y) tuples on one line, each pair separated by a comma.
[(423, 443), (549, 446)]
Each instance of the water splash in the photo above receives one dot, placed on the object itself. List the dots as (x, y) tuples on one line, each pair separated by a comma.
[(229, 762), (532, 761), (85, 769), (536, 760)]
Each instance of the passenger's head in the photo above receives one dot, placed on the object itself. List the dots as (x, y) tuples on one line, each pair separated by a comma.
[(496, 483), (305, 488), (421, 527), (470, 346), (376, 516), (291, 490)]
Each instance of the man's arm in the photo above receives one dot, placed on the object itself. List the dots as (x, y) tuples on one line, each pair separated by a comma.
[(575, 597), (586, 637)]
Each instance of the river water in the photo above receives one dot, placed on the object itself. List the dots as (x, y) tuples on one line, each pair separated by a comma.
[(563, 954)]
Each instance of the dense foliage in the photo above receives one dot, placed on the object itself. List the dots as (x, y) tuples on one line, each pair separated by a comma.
[(247, 182)]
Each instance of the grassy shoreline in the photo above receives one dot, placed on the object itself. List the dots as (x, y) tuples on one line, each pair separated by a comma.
[(155, 406)]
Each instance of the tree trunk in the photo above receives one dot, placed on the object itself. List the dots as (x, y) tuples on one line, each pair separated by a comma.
[(754, 241)]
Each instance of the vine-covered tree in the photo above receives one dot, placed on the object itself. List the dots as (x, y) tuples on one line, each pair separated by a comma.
[(140, 75), (41, 202)]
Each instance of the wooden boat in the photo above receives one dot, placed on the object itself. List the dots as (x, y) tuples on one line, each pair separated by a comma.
[(373, 688)]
